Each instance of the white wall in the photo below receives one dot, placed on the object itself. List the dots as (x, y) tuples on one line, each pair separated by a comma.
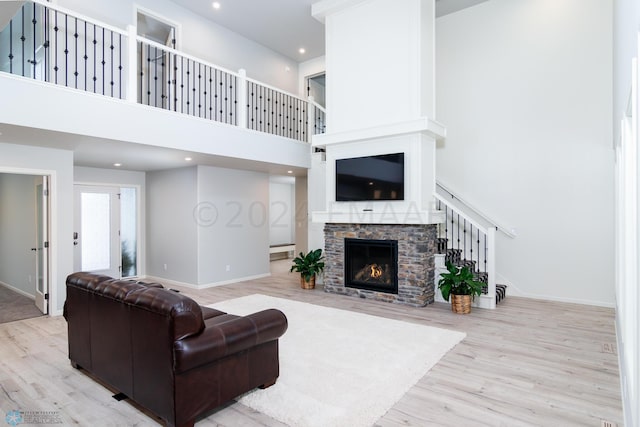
[(18, 232), (524, 89), (172, 235), (209, 225), (232, 225), (200, 37), (59, 165), (625, 49), (625, 46)]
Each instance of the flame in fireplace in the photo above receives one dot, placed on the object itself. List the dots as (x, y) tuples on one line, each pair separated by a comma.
[(376, 271), (373, 273)]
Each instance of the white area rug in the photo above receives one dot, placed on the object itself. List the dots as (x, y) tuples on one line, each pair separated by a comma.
[(340, 368)]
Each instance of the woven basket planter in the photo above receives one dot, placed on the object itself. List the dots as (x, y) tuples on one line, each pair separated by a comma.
[(311, 284), (460, 304)]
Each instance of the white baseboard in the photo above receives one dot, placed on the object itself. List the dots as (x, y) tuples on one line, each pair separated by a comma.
[(168, 282), (20, 291), (514, 291), (228, 282)]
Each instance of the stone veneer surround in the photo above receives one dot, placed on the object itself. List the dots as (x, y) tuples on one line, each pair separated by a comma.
[(416, 249)]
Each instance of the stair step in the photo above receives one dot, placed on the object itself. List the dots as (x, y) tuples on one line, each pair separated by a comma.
[(501, 292), (467, 263), (481, 276), (454, 256)]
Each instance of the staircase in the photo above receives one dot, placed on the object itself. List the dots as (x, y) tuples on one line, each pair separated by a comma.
[(464, 241), (454, 256)]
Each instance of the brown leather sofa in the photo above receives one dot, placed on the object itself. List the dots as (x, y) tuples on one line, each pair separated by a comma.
[(162, 350)]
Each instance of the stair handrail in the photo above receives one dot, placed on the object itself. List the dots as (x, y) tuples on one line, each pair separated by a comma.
[(185, 55), (311, 101), (508, 231), (472, 222)]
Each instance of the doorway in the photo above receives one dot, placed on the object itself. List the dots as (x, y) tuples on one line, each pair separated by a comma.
[(155, 64), (105, 236), (317, 103), (316, 87), (42, 244), (24, 248)]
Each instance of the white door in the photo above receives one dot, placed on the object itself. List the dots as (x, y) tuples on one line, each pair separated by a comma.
[(97, 230), (42, 245)]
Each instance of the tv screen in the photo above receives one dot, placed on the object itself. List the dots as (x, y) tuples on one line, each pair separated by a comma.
[(370, 178)]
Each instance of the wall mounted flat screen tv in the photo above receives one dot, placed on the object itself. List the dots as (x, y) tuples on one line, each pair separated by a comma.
[(370, 178)]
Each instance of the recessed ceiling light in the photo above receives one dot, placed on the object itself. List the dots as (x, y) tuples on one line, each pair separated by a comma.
[(289, 171), (302, 50), (117, 165), (188, 159), (216, 5)]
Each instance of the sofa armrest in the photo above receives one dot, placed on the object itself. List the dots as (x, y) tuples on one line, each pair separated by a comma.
[(223, 339)]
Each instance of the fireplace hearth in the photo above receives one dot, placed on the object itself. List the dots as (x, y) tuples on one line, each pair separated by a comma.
[(371, 264), (394, 252)]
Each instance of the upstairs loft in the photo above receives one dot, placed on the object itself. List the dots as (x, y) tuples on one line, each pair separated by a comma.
[(77, 83)]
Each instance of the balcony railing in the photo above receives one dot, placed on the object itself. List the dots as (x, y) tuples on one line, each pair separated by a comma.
[(53, 44), (175, 81), (272, 111)]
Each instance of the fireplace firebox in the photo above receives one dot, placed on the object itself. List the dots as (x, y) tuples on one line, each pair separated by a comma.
[(371, 264)]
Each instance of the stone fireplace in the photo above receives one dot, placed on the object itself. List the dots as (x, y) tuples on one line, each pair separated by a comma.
[(415, 245)]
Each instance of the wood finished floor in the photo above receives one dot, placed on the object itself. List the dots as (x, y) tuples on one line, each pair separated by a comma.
[(15, 306), (527, 363)]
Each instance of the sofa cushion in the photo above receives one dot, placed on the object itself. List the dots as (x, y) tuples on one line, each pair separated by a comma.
[(228, 334), (186, 314), (208, 312)]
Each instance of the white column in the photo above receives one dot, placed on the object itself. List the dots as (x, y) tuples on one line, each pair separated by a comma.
[(380, 59)]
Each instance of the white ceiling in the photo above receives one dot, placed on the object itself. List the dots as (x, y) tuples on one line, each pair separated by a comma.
[(284, 25)]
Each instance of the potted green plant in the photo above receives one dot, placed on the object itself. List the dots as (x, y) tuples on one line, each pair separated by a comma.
[(459, 284), (308, 266)]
